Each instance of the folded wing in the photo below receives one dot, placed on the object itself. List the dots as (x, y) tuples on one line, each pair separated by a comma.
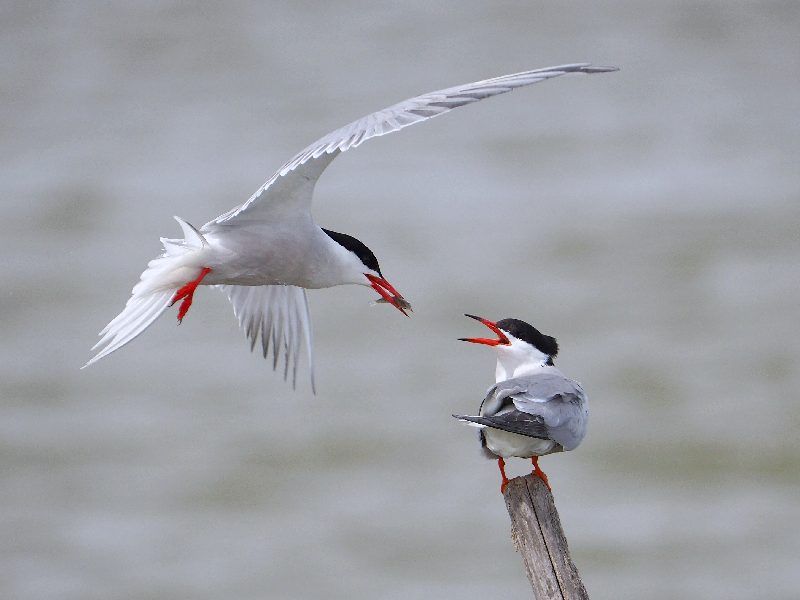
[(513, 421), (547, 406), (562, 405)]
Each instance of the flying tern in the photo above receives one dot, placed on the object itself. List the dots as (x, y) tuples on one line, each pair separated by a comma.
[(532, 409), (266, 252)]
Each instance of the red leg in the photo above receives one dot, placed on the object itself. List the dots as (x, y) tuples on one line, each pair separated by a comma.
[(538, 472), (186, 293), (502, 464)]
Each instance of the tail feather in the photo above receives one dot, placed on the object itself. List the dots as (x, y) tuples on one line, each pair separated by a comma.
[(180, 263), (133, 310), (138, 314)]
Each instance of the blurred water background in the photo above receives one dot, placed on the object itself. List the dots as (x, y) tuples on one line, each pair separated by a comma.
[(649, 219)]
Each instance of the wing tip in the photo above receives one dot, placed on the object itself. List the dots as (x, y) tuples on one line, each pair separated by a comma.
[(471, 421), (589, 69)]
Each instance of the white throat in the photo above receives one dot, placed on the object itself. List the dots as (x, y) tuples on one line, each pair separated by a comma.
[(508, 370), (518, 359)]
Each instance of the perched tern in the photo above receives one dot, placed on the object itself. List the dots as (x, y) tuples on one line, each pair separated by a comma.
[(266, 252), (532, 409)]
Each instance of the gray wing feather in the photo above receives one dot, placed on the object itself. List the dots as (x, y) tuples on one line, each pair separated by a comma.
[(299, 175), (278, 314), (560, 403), (513, 421)]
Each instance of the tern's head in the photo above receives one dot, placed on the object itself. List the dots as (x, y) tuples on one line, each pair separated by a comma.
[(363, 268), (519, 346)]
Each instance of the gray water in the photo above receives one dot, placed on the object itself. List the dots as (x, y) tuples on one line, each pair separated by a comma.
[(647, 218)]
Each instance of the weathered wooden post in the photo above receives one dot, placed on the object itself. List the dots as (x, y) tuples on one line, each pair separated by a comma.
[(538, 537)]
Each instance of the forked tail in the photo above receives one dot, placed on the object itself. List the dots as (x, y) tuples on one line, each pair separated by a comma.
[(180, 263)]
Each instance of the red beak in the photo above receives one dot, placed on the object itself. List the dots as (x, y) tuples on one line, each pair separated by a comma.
[(388, 293), (502, 339)]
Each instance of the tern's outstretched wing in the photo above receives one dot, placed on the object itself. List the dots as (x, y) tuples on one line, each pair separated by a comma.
[(278, 314), (547, 406), (294, 182)]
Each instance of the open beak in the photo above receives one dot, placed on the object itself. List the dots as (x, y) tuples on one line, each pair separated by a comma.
[(501, 340), (388, 293)]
